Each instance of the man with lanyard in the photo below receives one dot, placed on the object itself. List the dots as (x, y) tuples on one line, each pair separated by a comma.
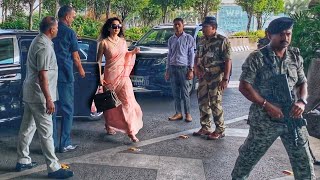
[(179, 69), (266, 118)]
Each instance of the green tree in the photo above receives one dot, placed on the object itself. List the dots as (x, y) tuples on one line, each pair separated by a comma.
[(5, 8), (124, 7), (31, 10), (263, 9), (295, 6), (248, 7), (166, 5), (14, 8), (149, 14), (203, 7), (100, 7), (52, 6), (79, 5), (306, 34)]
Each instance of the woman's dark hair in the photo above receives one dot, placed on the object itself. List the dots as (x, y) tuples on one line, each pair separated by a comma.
[(105, 28)]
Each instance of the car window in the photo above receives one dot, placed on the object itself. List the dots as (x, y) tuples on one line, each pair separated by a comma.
[(189, 31), (24, 44), (87, 50), (6, 51), (156, 37)]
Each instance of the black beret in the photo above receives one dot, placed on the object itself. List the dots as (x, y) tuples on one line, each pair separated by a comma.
[(209, 20), (278, 25)]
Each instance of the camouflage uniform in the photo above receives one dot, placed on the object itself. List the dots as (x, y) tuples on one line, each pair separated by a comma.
[(211, 54), (263, 129)]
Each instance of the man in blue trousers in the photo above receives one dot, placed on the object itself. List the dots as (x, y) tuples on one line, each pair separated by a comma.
[(66, 49)]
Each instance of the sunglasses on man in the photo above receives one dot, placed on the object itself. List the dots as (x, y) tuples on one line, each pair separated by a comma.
[(116, 26)]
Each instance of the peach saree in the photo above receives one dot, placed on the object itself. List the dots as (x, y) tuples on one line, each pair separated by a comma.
[(126, 118)]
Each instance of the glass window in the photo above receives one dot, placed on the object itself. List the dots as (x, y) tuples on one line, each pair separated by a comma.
[(160, 37), (87, 50), (189, 31), (6, 51), (156, 37)]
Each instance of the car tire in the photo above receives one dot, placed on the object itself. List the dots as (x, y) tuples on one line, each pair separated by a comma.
[(96, 116)]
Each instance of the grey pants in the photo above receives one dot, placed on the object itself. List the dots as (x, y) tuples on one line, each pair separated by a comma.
[(258, 142), (181, 87), (36, 118)]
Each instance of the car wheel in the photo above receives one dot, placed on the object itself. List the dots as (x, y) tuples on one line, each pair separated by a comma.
[(96, 116)]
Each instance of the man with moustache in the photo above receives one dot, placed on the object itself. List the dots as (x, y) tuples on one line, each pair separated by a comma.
[(213, 68), (266, 117), (39, 94)]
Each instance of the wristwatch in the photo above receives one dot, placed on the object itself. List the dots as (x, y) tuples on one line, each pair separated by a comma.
[(190, 69), (303, 101)]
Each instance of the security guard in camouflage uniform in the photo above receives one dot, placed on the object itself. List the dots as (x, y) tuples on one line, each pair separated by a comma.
[(212, 67), (265, 118)]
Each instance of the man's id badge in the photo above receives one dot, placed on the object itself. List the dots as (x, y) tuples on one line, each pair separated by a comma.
[(209, 54)]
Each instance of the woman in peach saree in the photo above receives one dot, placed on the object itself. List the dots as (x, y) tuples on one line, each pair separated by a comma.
[(127, 117)]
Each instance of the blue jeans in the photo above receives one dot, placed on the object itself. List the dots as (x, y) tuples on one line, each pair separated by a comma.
[(181, 87), (65, 103)]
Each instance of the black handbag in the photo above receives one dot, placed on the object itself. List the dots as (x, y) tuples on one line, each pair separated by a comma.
[(106, 100)]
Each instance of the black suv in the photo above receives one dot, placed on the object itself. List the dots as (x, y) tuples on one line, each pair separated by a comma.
[(14, 46), (150, 66)]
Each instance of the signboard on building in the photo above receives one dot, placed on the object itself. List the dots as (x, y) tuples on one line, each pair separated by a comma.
[(232, 18)]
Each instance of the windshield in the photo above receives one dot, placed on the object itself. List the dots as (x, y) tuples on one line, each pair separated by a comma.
[(159, 37)]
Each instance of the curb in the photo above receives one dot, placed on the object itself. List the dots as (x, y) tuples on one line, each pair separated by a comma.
[(240, 48)]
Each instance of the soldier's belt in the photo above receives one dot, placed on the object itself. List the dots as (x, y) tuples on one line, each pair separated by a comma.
[(210, 69)]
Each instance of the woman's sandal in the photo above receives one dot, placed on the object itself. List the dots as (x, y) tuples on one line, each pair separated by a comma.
[(133, 138), (110, 131)]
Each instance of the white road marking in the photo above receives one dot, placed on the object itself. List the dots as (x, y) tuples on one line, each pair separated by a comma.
[(167, 167)]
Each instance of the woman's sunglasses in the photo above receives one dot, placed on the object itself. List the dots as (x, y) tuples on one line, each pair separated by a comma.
[(116, 26)]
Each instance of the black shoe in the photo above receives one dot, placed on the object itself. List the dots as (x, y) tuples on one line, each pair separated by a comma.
[(60, 174), (69, 148), (22, 167)]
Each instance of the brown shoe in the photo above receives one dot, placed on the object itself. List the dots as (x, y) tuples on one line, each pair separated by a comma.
[(215, 136), (201, 132), (188, 117), (176, 117)]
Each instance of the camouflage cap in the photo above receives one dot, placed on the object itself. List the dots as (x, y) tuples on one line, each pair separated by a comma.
[(278, 25)]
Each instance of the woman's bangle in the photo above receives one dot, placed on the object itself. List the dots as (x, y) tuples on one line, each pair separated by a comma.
[(264, 103)]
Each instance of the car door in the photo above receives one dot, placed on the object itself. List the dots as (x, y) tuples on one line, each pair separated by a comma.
[(85, 88), (10, 79)]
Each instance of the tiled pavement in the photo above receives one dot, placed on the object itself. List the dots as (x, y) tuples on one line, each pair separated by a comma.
[(172, 158)]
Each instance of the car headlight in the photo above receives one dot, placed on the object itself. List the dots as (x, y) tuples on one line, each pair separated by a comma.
[(160, 61)]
